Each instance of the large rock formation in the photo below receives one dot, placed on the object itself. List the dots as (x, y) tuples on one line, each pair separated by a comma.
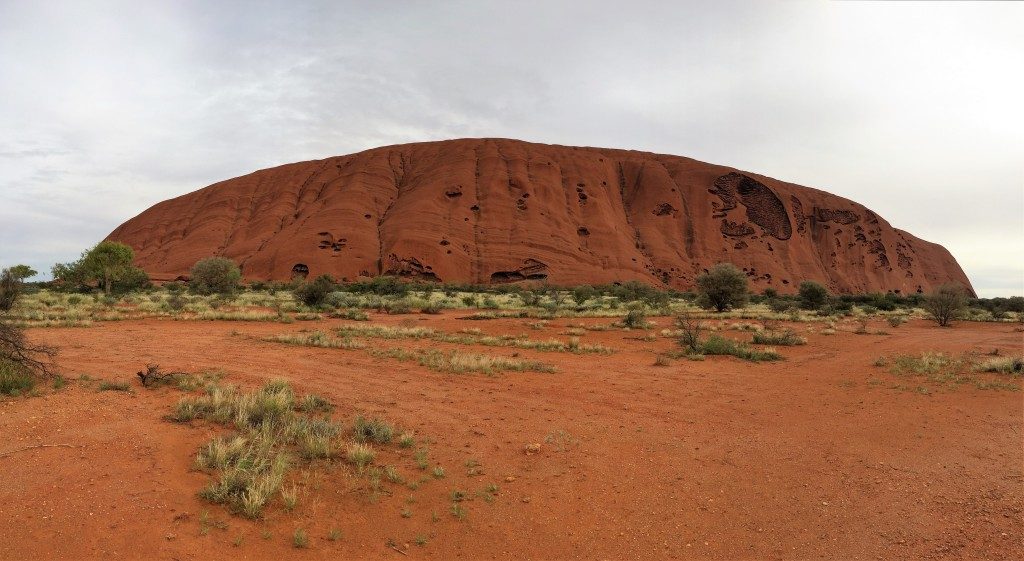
[(494, 210)]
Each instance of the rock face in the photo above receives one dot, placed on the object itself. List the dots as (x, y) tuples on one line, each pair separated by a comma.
[(496, 211)]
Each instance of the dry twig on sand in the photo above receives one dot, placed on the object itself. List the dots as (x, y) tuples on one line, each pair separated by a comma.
[(35, 446)]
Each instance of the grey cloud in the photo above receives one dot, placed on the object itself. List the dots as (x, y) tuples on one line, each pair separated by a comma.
[(912, 109)]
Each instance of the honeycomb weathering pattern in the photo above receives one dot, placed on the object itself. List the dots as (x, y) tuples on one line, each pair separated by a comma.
[(496, 210), (762, 205)]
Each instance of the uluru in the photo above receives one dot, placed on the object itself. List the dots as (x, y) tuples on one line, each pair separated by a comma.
[(498, 210)]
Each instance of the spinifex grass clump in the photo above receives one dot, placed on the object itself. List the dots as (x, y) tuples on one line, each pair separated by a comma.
[(372, 430), (718, 345), (316, 339), (786, 338), (952, 371), (15, 379), (938, 367), (1002, 365), (468, 337), (635, 319), (272, 431), (461, 363)]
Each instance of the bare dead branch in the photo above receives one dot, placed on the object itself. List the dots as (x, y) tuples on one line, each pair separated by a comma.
[(15, 348)]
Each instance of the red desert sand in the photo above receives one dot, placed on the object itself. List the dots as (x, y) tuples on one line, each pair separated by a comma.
[(823, 456)]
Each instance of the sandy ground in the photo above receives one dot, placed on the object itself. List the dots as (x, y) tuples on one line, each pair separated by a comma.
[(815, 457)]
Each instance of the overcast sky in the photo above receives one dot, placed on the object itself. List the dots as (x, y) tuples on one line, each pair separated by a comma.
[(914, 109)]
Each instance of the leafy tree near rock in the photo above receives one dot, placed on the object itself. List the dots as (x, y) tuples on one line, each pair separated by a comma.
[(724, 286), (812, 295), (946, 304), (107, 264), (214, 275)]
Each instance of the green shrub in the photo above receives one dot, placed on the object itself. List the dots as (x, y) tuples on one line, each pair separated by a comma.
[(382, 286), (129, 280), (723, 287), (895, 321), (214, 275), (315, 293), (812, 295), (583, 293), (176, 301), (529, 298), (398, 307), (781, 305), (635, 319)]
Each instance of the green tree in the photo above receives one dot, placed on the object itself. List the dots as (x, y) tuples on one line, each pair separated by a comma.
[(22, 272), (69, 274), (723, 287), (812, 295), (106, 264), (214, 275)]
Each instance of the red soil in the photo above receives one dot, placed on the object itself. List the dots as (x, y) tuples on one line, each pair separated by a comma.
[(721, 459), (493, 210)]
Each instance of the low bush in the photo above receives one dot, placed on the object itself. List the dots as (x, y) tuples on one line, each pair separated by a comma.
[(895, 321), (718, 345), (214, 275), (635, 319), (946, 303), (15, 380), (812, 295), (315, 292), (372, 430)]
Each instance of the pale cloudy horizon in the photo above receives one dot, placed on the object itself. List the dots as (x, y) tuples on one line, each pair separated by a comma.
[(912, 109)]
